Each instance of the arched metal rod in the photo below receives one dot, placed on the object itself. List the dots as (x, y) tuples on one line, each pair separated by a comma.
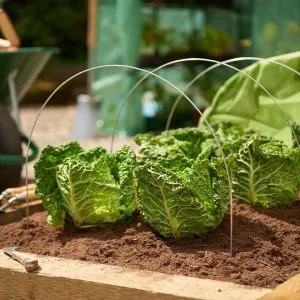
[(175, 104), (205, 120), (125, 101), (217, 63)]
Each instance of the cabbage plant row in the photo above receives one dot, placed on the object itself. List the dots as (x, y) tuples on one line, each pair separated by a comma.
[(177, 181)]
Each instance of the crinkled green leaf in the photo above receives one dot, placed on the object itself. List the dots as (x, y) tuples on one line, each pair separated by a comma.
[(259, 164), (92, 187), (90, 194), (267, 172), (180, 204), (229, 139), (296, 135), (185, 144), (123, 163), (46, 185)]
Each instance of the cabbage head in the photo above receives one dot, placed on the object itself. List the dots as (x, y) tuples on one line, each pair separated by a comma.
[(90, 187)]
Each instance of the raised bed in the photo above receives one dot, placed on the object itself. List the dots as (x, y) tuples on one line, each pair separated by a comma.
[(266, 244)]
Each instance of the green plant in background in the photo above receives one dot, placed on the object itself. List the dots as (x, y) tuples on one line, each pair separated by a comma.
[(208, 85), (154, 37), (207, 40), (214, 42), (185, 114), (51, 23), (201, 93)]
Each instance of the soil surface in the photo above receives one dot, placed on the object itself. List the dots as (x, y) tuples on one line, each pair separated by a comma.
[(266, 246)]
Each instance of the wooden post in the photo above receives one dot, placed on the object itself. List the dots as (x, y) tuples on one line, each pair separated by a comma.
[(92, 23), (91, 41), (289, 290)]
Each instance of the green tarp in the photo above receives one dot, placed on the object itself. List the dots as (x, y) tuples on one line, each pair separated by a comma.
[(242, 101)]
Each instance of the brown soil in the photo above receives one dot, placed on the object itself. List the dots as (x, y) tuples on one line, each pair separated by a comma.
[(266, 246)]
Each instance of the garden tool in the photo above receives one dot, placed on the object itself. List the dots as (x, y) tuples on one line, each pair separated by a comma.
[(10, 192), (29, 261), (19, 197), (8, 30)]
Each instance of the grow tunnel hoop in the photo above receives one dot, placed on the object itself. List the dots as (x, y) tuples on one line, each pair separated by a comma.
[(175, 104), (217, 63), (153, 74)]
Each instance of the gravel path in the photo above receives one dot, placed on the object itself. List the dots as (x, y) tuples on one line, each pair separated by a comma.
[(55, 127)]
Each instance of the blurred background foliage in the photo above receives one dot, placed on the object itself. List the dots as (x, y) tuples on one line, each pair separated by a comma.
[(51, 23)]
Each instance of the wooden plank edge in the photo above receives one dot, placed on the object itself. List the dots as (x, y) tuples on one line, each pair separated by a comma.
[(18, 213), (289, 290), (62, 279)]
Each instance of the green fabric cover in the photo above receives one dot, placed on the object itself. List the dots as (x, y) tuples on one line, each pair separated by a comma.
[(242, 101)]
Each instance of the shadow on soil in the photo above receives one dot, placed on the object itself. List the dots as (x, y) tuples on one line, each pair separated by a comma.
[(246, 232), (287, 214)]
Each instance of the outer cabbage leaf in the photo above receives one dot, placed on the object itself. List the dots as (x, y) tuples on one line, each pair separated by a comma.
[(296, 135), (123, 163), (90, 194), (92, 187), (267, 172), (185, 203), (46, 185)]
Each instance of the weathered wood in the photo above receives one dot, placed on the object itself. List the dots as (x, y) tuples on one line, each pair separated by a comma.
[(63, 279), (289, 290), (16, 214)]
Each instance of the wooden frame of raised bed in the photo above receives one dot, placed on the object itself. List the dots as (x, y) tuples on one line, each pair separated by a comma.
[(63, 279)]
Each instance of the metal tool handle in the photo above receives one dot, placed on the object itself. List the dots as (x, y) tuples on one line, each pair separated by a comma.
[(28, 261), (10, 192), (19, 197), (2, 208), (31, 195), (18, 190)]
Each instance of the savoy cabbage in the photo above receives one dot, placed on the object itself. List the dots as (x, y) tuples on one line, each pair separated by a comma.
[(178, 179), (265, 171), (180, 192), (91, 187)]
